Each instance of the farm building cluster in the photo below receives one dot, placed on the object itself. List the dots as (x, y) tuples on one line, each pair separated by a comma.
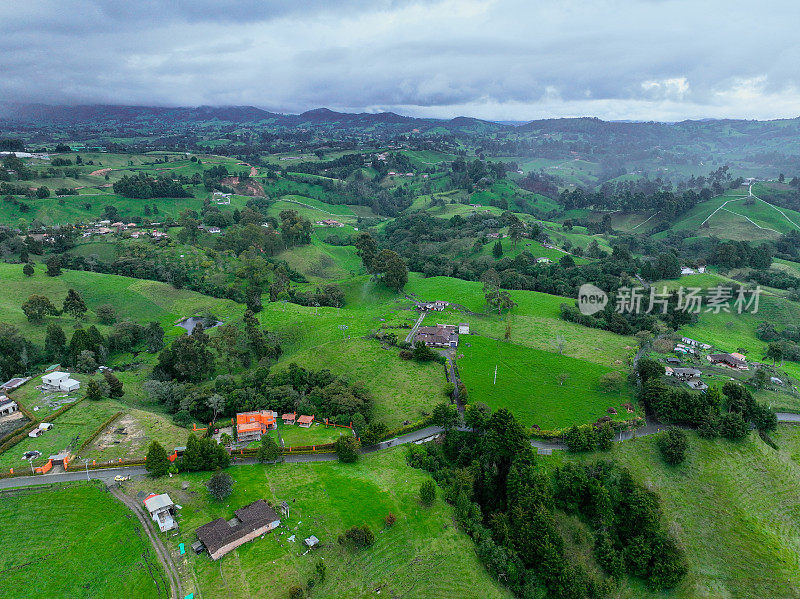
[(251, 426), (691, 375)]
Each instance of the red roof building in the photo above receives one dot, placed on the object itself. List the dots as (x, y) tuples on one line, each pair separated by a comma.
[(250, 426), (305, 421)]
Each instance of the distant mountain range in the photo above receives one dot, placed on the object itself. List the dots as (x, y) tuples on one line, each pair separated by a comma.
[(45, 113), (775, 143)]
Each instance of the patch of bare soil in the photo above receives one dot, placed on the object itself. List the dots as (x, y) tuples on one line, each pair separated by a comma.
[(11, 423), (248, 187), (124, 430), (102, 172)]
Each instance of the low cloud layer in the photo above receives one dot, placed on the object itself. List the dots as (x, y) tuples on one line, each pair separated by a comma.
[(503, 59)]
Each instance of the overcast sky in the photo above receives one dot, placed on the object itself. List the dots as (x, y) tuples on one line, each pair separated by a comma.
[(500, 60)]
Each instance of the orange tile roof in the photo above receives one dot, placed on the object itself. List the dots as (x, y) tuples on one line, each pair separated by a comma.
[(305, 419)]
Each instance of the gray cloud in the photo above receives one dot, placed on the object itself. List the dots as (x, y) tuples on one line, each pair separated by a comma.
[(505, 59)]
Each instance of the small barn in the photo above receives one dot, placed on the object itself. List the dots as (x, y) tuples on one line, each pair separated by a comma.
[(305, 421), (161, 510)]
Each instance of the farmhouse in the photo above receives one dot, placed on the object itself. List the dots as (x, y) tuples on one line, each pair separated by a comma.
[(7, 406), (221, 536), (543, 261), (161, 510), (734, 360), (251, 425), (222, 199), (442, 335), (437, 306), (59, 381), (305, 421), (684, 374), (289, 418)]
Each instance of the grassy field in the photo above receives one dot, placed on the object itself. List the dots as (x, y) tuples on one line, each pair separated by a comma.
[(529, 383), (732, 506), (316, 434), (403, 390), (323, 262), (734, 216), (135, 299), (535, 322), (75, 542), (421, 556)]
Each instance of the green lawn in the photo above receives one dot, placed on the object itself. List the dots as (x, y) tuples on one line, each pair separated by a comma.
[(422, 556), (535, 321), (317, 434), (75, 542), (529, 384)]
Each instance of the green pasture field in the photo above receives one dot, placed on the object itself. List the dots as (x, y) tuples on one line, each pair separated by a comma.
[(528, 384), (535, 321), (427, 158), (732, 506), (793, 268), (75, 542), (730, 331), (135, 299), (402, 389), (422, 556), (79, 421), (323, 262)]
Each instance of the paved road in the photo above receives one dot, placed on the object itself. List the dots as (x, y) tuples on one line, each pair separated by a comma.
[(410, 336), (108, 474)]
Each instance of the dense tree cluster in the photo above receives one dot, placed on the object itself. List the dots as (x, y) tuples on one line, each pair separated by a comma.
[(741, 254), (142, 186), (508, 506)]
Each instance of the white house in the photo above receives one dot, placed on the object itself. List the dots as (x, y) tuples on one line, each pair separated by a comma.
[(60, 381), (7, 406), (161, 510), (463, 328)]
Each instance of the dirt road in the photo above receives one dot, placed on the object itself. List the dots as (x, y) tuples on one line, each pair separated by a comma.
[(176, 589)]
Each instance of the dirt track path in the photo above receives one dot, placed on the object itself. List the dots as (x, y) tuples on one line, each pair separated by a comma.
[(176, 589)]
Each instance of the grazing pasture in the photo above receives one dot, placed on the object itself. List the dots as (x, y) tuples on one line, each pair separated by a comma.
[(539, 387), (75, 541)]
